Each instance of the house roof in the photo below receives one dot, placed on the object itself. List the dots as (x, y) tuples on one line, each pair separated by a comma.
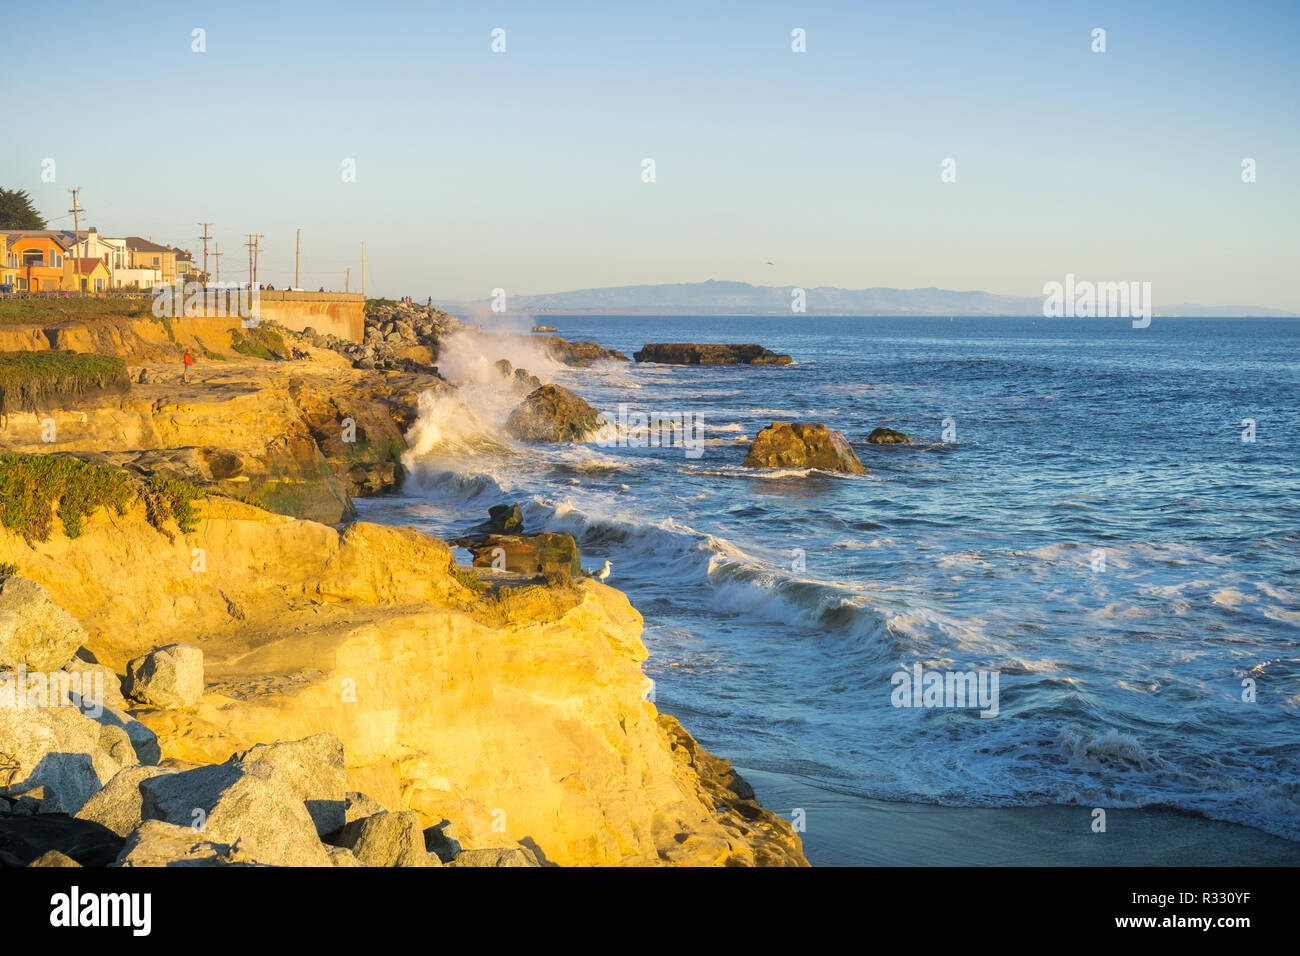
[(136, 244), (63, 238), (86, 264)]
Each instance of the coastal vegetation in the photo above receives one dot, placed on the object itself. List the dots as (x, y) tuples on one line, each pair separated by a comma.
[(17, 211), (38, 310), (31, 381), (34, 489), (261, 341)]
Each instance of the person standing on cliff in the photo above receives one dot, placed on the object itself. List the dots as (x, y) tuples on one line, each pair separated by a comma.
[(189, 360)]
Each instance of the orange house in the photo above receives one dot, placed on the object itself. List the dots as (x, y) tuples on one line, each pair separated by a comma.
[(39, 262), (85, 275)]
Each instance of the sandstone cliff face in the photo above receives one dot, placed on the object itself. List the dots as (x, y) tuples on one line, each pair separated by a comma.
[(277, 433), (519, 712)]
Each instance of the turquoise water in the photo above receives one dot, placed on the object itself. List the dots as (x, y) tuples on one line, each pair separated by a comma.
[(1078, 513)]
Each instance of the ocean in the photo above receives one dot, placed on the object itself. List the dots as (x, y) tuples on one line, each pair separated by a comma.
[(1105, 518)]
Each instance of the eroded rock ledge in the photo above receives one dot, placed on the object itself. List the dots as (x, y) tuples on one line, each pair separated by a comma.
[(514, 709)]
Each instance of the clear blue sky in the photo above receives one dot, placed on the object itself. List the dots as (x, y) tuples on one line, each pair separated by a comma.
[(522, 170)]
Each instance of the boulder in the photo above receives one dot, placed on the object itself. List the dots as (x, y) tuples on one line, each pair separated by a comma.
[(254, 804), (546, 552), (314, 766), (783, 445), (579, 354), (442, 840), (504, 367), (552, 414), (501, 856), (169, 677), (107, 681), (357, 806), (143, 741), (35, 633), (387, 839), (54, 858), (527, 380), (341, 856), (157, 843), (60, 749), (24, 839), (887, 436), (118, 806), (506, 519), (689, 353)]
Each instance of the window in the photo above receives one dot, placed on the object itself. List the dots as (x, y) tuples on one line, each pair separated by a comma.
[(99, 285), (155, 262)]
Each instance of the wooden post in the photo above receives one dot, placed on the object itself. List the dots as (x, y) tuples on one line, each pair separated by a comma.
[(76, 229), (363, 268), (347, 282), (297, 248)]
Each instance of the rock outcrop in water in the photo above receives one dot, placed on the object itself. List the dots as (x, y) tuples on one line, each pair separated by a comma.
[(578, 354), (546, 553), (800, 445), (887, 436), (552, 414), (689, 353)]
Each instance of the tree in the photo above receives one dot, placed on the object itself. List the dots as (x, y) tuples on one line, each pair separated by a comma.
[(16, 211)]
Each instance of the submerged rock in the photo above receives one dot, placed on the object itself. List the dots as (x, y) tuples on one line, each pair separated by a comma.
[(887, 436), (801, 445), (689, 353), (552, 414), (170, 677)]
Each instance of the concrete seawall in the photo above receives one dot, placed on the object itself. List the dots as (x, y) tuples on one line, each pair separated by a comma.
[(332, 313)]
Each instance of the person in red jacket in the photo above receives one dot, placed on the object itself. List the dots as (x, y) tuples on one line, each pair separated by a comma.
[(189, 360)]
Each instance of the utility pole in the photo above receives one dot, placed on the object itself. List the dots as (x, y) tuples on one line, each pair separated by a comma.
[(216, 255), (347, 281), (205, 237), (249, 243), (297, 249), (363, 268), (76, 235)]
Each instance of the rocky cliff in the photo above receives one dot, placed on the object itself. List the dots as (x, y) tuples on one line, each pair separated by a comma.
[(516, 710)]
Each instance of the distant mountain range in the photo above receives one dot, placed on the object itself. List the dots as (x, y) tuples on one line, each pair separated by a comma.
[(718, 297)]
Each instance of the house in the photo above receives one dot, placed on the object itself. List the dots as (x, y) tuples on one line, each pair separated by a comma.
[(185, 271), (37, 255), (8, 265), (94, 246), (85, 275), (150, 255)]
